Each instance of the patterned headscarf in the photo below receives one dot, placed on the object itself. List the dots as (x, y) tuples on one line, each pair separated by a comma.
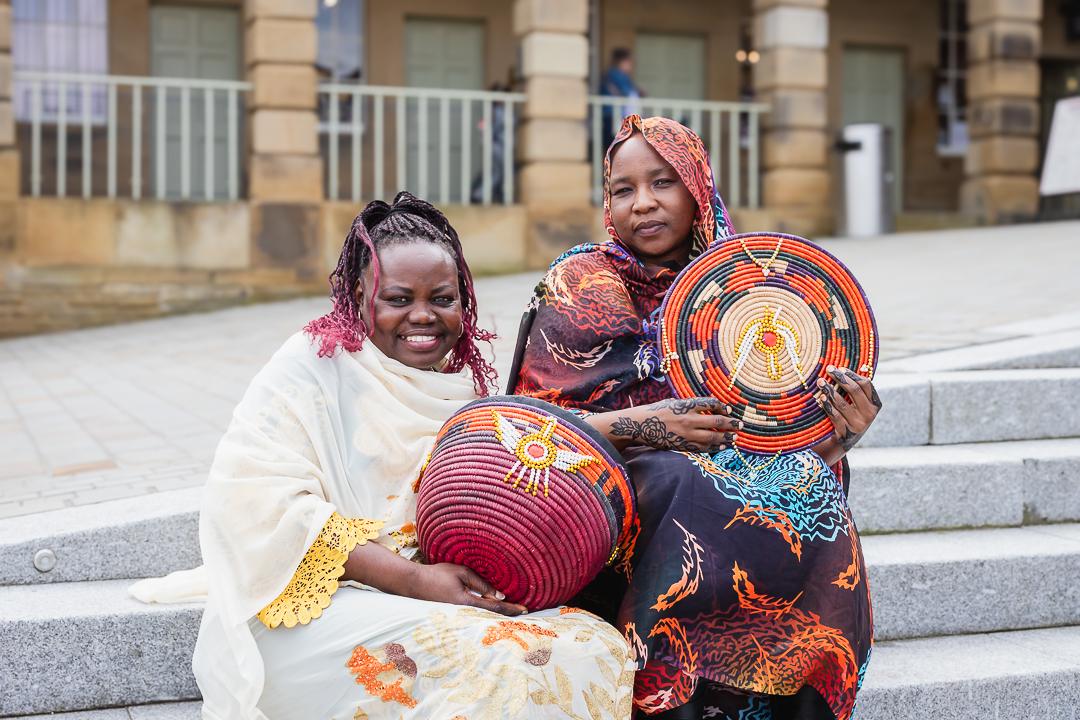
[(681, 147)]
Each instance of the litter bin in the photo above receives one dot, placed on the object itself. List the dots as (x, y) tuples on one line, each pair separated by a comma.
[(868, 179)]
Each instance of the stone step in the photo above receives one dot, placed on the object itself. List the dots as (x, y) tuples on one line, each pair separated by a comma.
[(976, 406), (76, 646), (1050, 350), (110, 649), (142, 536), (971, 485), (1025, 675), (972, 581), (157, 711)]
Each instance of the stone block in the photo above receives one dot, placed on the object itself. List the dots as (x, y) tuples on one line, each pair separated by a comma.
[(968, 581), (993, 405), (5, 27), (9, 174), (928, 488), (1003, 40), (286, 235), (552, 231), (296, 9), (795, 187), (971, 677), (904, 418), (285, 177), (7, 124), (105, 541), (167, 711), (562, 16), (556, 98), (335, 222), (9, 221), (806, 221), (1000, 198), (997, 78), (62, 231), (283, 86), (1003, 116), (980, 11), (285, 132), (556, 54), (746, 219), (5, 76), (787, 26), (794, 109), (558, 184), (761, 5), (214, 236), (794, 148), (789, 67), (111, 649), (1051, 470), (552, 140), (277, 40), (146, 234), (493, 238), (994, 155)]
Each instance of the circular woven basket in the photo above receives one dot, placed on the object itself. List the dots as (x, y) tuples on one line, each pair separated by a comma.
[(527, 495), (754, 321)]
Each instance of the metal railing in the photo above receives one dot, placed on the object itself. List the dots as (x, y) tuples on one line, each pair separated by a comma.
[(194, 152), (728, 129), (449, 146)]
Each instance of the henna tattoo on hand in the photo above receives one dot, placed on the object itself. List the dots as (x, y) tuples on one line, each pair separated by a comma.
[(653, 431), (849, 439), (683, 407), (875, 400)]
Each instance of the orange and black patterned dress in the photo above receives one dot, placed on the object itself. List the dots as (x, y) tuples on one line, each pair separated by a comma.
[(747, 586)]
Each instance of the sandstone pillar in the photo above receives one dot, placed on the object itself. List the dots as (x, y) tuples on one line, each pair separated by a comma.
[(555, 174), (285, 181), (1003, 110), (9, 153), (792, 37)]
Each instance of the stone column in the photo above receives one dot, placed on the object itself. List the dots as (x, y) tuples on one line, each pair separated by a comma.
[(555, 174), (1003, 110), (792, 37), (285, 182), (9, 153)]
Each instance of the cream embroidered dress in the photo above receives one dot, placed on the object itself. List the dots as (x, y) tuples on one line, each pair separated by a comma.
[(320, 456)]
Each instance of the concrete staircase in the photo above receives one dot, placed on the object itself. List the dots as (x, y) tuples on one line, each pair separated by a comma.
[(967, 493)]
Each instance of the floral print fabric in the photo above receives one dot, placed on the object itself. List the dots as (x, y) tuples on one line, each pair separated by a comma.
[(414, 659)]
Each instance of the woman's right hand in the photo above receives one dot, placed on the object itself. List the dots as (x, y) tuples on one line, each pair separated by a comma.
[(700, 425), (458, 585)]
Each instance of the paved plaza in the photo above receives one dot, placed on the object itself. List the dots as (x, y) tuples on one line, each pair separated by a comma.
[(111, 412)]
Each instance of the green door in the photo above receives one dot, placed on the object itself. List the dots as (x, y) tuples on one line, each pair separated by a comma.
[(670, 66), (874, 93), (201, 43), (443, 54)]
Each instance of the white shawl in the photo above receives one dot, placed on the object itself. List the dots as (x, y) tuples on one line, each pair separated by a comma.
[(311, 436)]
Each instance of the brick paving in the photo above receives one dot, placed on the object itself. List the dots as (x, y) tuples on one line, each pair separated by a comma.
[(97, 414)]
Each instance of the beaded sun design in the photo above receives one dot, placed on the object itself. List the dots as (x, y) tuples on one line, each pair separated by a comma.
[(771, 336), (535, 453)]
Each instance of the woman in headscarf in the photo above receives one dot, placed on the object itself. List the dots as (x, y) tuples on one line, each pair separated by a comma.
[(743, 590), (313, 484)]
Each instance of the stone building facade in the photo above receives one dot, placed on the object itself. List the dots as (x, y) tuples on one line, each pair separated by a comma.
[(967, 86)]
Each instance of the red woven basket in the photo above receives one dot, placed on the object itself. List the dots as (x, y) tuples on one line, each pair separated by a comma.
[(526, 494)]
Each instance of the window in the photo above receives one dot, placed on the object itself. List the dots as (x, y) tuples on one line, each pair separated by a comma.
[(60, 36), (340, 40), (952, 79)]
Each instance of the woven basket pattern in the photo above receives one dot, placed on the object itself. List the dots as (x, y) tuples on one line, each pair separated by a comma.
[(758, 335), (526, 496)]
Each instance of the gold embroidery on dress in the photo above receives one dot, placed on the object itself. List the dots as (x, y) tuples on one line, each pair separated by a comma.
[(316, 579)]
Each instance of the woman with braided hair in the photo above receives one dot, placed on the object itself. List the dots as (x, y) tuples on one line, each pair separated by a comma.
[(313, 484)]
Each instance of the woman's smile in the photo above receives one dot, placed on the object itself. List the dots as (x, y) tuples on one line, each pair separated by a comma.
[(420, 342)]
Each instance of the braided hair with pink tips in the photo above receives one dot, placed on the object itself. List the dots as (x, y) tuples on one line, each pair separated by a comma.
[(379, 226)]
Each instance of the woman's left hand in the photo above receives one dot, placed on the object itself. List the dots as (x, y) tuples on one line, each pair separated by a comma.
[(850, 419)]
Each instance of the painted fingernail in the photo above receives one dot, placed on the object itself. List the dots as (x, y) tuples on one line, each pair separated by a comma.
[(730, 409), (740, 425), (499, 595), (831, 368)]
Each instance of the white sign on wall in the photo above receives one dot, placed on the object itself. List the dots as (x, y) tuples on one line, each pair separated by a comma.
[(1061, 168)]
